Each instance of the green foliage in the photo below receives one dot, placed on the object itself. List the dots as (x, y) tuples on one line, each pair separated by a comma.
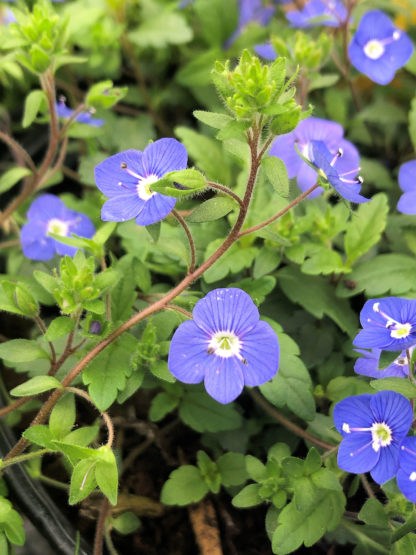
[(11, 525)]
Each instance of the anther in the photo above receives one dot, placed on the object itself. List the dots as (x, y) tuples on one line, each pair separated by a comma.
[(62, 98), (396, 35), (210, 351), (360, 180), (340, 152), (123, 165)]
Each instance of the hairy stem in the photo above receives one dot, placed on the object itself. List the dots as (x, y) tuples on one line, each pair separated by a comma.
[(260, 400), (22, 458), (225, 190), (99, 531), (190, 240), (16, 147)]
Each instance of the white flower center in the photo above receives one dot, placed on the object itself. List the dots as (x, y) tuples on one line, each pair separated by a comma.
[(58, 227), (143, 187), (400, 331), (374, 49), (381, 434), (225, 344)]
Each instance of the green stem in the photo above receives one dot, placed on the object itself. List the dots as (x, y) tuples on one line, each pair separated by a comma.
[(22, 458)]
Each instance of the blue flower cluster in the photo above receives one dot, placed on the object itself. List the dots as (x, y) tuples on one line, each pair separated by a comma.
[(374, 427)]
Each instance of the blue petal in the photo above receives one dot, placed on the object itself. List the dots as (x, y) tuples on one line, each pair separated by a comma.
[(35, 243), (407, 175), (367, 365), (393, 409), (224, 380), (121, 208), (188, 357), (407, 486), (260, 348), (373, 25), (163, 156), (354, 411), (109, 175), (407, 455), (46, 207), (229, 309), (375, 337), (63, 249), (306, 178), (318, 129), (81, 225), (155, 209), (407, 203), (266, 51), (355, 453), (387, 465)]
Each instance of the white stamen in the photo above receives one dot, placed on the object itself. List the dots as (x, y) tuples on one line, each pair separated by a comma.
[(412, 476), (226, 344), (346, 428)]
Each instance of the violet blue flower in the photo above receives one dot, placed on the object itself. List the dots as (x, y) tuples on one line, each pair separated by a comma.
[(266, 51), (406, 476), (7, 17), (373, 427), (225, 344), (388, 324), (49, 214), (367, 365), (85, 117), (407, 182), (126, 178), (378, 48), (250, 11), (344, 183), (313, 129), (331, 13)]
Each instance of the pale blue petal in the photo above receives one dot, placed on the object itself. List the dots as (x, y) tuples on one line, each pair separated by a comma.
[(121, 208), (163, 156), (260, 349), (224, 380)]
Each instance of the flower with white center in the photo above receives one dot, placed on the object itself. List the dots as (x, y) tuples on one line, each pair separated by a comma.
[(388, 324), (407, 183), (225, 345), (126, 178), (368, 365), (48, 214), (373, 427), (378, 49)]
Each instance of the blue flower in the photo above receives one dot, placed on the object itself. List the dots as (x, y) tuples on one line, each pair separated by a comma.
[(266, 51), (407, 182), (388, 324), (406, 476), (85, 117), (7, 17), (308, 130), (378, 49), (250, 11), (343, 181), (49, 214), (367, 365), (225, 344), (318, 12), (373, 427), (126, 178)]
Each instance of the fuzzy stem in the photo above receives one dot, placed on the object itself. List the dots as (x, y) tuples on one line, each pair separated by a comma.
[(225, 190), (22, 458), (190, 239), (15, 146), (99, 531)]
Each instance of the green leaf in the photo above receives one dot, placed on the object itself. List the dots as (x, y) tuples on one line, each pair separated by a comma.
[(106, 474), (11, 177), (248, 497), (62, 418), (412, 122), (162, 29), (323, 81), (41, 435), (126, 523), (255, 468), (365, 228), (234, 260), (372, 512), (317, 296), (103, 95), (213, 119), (292, 385), (83, 480), (192, 181), (13, 527), (233, 129), (276, 173), (162, 404), (313, 461), (106, 374), (74, 452), (399, 385), (386, 273), (161, 371), (232, 468), (266, 261), (33, 103), (184, 486), (307, 526), (212, 209), (36, 385), (203, 414), (386, 358), (407, 527), (60, 326), (47, 281)]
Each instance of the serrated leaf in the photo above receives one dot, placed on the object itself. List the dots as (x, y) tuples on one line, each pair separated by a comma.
[(365, 228), (184, 486), (36, 385), (400, 385), (203, 414), (372, 512)]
